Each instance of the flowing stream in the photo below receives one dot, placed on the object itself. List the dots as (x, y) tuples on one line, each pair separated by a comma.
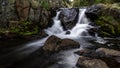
[(78, 33), (79, 30)]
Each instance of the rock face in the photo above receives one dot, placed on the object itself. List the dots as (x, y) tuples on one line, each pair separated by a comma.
[(23, 8), (7, 12), (85, 62), (28, 10), (69, 17), (94, 11), (54, 44)]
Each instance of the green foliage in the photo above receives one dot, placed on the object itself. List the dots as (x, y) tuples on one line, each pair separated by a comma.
[(106, 34), (109, 26), (25, 28), (103, 1), (45, 4), (40, 3), (79, 3)]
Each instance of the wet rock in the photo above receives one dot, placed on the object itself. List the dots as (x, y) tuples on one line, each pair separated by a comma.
[(68, 44), (54, 44), (43, 34), (94, 11), (111, 62), (85, 62), (69, 17), (93, 31), (23, 8), (51, 43), (90, 53), (100, 52), (68, 32), (109, 52)]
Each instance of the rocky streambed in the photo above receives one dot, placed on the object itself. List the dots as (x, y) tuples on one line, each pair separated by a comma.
[(67, 53)]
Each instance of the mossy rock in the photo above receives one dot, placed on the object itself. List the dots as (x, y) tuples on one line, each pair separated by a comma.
[(25, 28), (109, 26)]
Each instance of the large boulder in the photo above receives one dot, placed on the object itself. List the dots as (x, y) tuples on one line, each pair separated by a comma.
[(89, 53), (55, 44), (98, 53), (109, 56), (51, 43), (94, 11), (85, 62), (68, 44), (109, 52), (69, 17)]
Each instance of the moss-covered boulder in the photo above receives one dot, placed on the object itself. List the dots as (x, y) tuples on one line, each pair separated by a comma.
[(108, 19)]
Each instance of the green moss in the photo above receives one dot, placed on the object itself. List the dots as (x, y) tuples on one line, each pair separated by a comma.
[(79, 3), (109, 26), (45, 4), (106, 34), (109, 20), (25, 28)]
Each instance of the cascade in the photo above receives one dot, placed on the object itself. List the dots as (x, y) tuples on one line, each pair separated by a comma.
[(68, 58), (79, 30), (76, 33)]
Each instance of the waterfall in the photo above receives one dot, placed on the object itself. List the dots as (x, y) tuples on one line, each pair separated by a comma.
[(68, 58), (79, 30), (56, 28)]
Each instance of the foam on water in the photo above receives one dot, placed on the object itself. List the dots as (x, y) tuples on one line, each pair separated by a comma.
[(76, 32)]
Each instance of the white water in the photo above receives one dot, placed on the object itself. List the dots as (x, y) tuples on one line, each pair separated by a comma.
[(78, 31)]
